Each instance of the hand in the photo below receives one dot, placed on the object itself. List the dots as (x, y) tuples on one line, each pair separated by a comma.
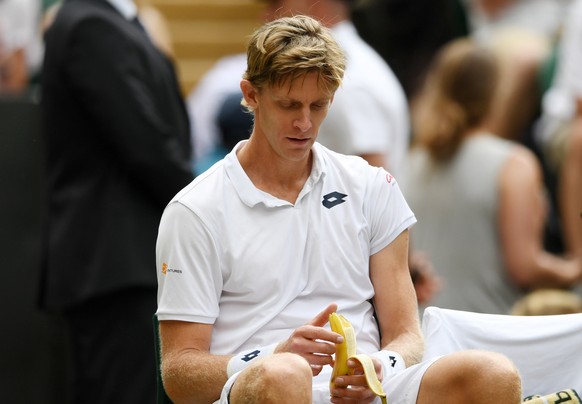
[(354, 389), (426, 282), (313, 342)]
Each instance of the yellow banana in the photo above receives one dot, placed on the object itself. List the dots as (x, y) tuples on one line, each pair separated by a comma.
[(347, 350)]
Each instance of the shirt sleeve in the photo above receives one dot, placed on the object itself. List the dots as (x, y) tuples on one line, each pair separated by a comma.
[(388, 211), (189, 278)]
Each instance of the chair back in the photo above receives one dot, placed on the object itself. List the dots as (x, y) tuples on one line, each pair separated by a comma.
[(547, 350)]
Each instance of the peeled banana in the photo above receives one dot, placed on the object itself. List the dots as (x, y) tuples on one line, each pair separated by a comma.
[(347, 350)]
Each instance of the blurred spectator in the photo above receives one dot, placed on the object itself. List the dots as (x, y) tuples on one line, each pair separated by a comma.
[(156, 26), (522, 33), (479, 199), (117, 148), (204, 104), (547, 302), (20, 45), (407, 33), (559, 130), (234, 124), (424, 278)]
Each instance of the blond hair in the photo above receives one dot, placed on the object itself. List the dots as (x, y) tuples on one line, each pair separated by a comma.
[(290, 47), (548, 302), (456, 98)]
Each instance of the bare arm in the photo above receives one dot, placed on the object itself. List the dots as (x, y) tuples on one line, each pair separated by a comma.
[(522, 213), (570, 189), (395, 301), (397, 314), (190, 373), (13, 72)]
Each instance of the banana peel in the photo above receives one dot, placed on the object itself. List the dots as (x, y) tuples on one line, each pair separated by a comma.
[(347, 350)]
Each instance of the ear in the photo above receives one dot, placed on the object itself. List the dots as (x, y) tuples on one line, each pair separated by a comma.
[(249, 93)]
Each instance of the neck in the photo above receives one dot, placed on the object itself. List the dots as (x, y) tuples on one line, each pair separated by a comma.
[(273, 174)]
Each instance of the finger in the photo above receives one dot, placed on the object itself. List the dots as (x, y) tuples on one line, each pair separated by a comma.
[(357, 394), (316, 339), (351, 380), (316, 369), (320, 360), (322, 318), (357, 366)]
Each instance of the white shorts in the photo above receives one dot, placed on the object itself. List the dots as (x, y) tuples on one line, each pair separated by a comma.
[(400, 388)]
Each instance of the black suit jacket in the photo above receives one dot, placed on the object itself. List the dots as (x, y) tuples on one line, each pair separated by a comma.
[(117, 150)]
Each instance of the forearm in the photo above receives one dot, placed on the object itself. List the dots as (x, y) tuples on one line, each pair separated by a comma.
[(194, 377), (395, 301), (409, 345), (189, 371), (403, 334), (544, 269)]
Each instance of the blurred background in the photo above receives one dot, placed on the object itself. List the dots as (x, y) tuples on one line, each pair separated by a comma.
[(32, 343), (197, 35)]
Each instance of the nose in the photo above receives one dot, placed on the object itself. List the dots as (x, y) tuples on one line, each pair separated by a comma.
[(303, 122)]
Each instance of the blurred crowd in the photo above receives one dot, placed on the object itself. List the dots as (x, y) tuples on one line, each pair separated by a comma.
[(484, 102), (475, 107)]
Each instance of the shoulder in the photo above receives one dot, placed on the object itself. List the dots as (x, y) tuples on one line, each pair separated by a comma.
[(76, 15), (76, 11), (523, 159), (344, 164), (352, 172), (205, 189), (487, 151), (521, 167)]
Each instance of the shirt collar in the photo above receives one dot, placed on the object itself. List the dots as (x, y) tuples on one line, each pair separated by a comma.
[(126, 8), (251, 196)]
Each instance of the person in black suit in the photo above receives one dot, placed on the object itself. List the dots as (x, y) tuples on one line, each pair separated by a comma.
[(117, 150)]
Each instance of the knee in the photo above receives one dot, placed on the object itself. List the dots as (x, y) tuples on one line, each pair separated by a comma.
[(484, 374), (280, 378), (286, 368), (474, 376)]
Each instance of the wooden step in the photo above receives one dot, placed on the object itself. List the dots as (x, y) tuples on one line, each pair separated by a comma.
[(224, 10), (205, 30), (210, 38)]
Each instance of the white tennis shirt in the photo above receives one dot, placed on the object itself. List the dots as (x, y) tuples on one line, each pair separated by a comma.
[(257, 267)]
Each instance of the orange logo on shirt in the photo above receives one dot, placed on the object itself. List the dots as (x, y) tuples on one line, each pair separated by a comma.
[(164, 268)]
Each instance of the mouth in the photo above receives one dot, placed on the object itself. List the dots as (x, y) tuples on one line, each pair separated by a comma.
[(299, 141)]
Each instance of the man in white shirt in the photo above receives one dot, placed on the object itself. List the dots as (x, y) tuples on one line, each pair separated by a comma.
[(256, 253)]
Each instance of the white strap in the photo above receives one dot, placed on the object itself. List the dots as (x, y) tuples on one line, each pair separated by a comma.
[(392, 362), (243, 359)]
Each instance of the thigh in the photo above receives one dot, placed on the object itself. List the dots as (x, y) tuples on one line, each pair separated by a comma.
[(400, 388)]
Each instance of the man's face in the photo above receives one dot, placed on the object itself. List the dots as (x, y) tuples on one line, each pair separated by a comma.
[(288, 117)]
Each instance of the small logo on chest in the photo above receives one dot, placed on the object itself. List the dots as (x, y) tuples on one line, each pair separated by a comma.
[(333, 199)]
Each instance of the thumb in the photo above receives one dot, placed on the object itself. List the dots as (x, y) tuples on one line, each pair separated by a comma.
[(322, 318)]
